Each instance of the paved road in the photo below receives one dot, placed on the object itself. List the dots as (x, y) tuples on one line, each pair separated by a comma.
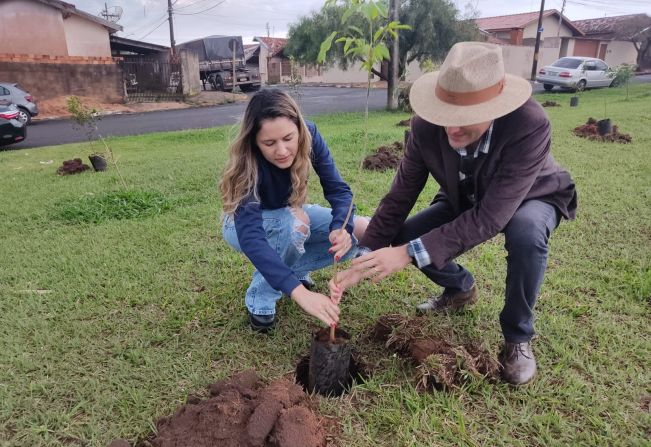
[(315, 101)]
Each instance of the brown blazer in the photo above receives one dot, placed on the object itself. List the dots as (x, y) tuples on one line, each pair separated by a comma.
[(518, 167)]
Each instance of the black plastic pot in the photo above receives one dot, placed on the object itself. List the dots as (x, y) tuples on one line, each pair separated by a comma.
[(604, 127), (98, 162), (329, 373), (574, 101)]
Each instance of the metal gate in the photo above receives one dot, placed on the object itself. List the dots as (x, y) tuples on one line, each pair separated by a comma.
[(152, 78)]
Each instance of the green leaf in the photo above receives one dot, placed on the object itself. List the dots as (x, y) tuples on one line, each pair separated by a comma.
[(356, 29), (325, 47)]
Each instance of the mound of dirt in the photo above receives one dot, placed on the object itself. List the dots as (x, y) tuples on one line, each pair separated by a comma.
[(443, 363), (385, 157), (589, 130), (550, 104), (70, 167), (243, 412)]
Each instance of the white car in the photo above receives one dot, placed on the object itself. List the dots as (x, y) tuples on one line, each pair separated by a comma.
[(575, 73)]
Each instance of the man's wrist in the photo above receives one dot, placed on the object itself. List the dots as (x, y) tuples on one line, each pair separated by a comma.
[(416, 249), (362, 250)]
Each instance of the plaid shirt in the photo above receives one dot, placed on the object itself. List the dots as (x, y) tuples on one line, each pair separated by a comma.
[(416, 249)]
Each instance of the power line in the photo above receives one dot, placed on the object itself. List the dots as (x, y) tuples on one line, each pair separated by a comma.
[(200, 12), (159, 25), (188, 5)]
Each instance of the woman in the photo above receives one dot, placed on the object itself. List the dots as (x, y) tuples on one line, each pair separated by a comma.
[(264, 189)]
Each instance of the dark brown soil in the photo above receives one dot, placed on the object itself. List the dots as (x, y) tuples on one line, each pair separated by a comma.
[(645, 403), (385, 157), (243, 412), (550, 104), (405, 123), (72, 167), (323, 336), (589, 131), (443, 363)]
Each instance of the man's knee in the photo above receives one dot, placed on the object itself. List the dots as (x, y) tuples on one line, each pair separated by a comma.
[(525, 234)]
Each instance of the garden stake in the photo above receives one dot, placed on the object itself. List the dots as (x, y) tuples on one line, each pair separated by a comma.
[(334, 262)]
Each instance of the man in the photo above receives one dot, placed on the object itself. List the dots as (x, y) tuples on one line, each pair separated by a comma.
[(487, 145)]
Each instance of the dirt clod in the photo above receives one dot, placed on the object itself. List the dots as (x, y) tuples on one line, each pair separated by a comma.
[(442, 361), (385, 157), (243, 412), (70, 167), (119, 443), (589, 130), (550, 104)]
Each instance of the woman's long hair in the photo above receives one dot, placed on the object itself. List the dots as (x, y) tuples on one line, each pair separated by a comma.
[(240, 175)]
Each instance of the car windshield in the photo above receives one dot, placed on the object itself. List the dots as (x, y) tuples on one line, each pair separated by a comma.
[(567, 62)]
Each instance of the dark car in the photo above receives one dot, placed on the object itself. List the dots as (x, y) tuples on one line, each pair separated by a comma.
[(11, 130), (17, 95)]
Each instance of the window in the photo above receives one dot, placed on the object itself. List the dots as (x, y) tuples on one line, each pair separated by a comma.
[(567, 62), (601, 66), (4, 91)]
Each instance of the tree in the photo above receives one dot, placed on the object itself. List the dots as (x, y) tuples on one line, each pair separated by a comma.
[(436, 25), (637, 30)]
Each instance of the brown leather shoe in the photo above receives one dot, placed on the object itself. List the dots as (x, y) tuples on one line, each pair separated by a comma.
[(448, 301), (518, 363)]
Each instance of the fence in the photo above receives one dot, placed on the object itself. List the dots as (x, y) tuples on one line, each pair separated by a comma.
[(152, 78)]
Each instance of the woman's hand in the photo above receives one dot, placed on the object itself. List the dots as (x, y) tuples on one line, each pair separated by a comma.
[(317, 305), (341, 243), (344, 279)]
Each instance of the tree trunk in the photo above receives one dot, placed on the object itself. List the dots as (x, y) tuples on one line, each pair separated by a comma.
[(392, 84)]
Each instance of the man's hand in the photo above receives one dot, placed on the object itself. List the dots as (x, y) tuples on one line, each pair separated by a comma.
[(376, 265), (381, 263), (341, 243), (316, 304)]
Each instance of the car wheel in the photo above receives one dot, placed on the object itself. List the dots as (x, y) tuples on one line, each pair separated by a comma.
[(24, 116), (580, 86), (548, 87)]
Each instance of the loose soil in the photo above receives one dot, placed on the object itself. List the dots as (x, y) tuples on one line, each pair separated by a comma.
[(385, 157), (442, 361), (404, 123), (74, 166), (589, 130), (550, 104), (243, 412)]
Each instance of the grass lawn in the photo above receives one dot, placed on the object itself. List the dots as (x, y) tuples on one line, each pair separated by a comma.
[(107, 324)]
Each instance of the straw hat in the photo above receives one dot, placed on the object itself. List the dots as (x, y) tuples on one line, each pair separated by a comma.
[(471, 87)]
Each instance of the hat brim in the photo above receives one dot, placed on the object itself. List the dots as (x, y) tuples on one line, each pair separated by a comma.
[(428, 106)]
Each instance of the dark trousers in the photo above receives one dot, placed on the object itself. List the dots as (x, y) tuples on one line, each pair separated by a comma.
[(526, 242)]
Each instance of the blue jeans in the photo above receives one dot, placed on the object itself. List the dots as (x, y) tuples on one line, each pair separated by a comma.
[(526, 242), (302, 251)]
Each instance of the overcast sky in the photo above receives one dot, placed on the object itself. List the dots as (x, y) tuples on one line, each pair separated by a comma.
[(147, 19)]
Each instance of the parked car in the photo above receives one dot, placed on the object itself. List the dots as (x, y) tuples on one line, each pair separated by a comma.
[(17, 95), (11, 129), (575, 73)]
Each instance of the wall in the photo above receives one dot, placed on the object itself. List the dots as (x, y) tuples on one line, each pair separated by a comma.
[(86, 38), (550, 28), (262, 63), (619, 52), (18, 17), (335, 75), (190, 73), (49, 76)]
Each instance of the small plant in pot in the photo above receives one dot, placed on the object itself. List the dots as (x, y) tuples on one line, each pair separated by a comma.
[(85, 119)]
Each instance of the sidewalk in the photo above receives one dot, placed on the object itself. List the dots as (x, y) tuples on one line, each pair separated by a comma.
[(56, 108)]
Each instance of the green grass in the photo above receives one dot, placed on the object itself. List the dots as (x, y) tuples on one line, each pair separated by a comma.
[(107, 324)]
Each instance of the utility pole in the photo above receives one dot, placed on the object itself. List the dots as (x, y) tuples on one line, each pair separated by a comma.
[(394, 67), (534, 67), (169, 11), (268, 30), (560, 20)]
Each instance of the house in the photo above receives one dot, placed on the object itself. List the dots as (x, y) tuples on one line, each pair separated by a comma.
[(609, 38), (53, 28), (54, 49), (560, 36)]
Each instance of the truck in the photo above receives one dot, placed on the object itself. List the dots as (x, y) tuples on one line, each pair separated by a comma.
[(216, 61)]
